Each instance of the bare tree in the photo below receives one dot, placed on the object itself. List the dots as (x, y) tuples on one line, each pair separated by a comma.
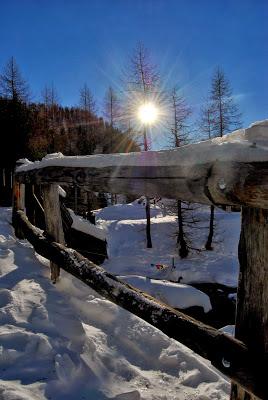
[(86, 101), (219, 116), (180, 113), (206, 125), (50, 96), (225, 114), (142, 80), (112, 107), (50, 100), (12, 85), (206, 121), (142, 83)]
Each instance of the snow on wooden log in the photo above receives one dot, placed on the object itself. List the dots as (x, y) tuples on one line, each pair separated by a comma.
[(229, 355), (177, 295), (228, 170), (81, 224)]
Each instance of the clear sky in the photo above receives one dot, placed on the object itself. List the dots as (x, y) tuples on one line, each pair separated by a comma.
[(75, 41)]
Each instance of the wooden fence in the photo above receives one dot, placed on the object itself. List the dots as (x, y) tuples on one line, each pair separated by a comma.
[(232, 170)]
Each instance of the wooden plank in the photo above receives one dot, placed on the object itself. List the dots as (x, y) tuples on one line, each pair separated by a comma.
[(53, 222), (252, 304), (229, 355), (232, 170)]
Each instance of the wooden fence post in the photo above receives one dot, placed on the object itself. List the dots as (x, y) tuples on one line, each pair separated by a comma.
[(252, 295), (53, 221), (18, 202)]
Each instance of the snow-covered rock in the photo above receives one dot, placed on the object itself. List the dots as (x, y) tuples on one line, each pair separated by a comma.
[(175, 294)]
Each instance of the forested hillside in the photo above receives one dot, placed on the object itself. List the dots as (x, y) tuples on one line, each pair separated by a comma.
[(33, 129)]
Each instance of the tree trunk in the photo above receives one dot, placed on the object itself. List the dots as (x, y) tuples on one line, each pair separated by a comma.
[(148, 224), (211, 229), (183, 249), (145, 140), (252, 296)]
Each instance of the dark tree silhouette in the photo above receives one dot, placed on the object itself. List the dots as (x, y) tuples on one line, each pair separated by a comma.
[(112, 107), (12, 85), (180, 113), (86, 100)]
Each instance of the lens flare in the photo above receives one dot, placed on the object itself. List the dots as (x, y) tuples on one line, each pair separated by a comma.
[(147, 113)]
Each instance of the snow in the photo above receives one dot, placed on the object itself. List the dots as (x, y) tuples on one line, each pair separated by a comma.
[(228, 330), (64, 341), (174, 294), (62, 192), (235, 146), (82, 225), (128, 255)]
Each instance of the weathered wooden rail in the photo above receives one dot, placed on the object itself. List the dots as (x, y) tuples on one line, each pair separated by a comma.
[(232, 170)]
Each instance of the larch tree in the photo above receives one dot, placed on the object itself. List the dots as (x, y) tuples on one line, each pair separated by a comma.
[(206, 124), (86, 100), (50, 101), (12, 84), (112, 115), (14, 94), (89, 121), (142, 82), (50, 96), (225, 113), (219, 116), (178, 128), (112, 107)]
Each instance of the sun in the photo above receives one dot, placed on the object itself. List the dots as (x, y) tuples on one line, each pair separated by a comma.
[(148, 113)]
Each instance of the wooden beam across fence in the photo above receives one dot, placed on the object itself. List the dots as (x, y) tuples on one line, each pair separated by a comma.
[(228, 355), (229, 170)]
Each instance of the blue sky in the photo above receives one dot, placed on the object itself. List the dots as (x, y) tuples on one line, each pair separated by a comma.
[(72, 42)]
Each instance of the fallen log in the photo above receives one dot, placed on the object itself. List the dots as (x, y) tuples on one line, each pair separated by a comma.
[(228, 355)]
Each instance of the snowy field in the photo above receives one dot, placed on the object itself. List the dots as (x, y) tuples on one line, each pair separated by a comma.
[(125, 226), (65, 342)]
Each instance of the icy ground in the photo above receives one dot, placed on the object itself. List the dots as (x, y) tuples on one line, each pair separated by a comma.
[(65, 342)]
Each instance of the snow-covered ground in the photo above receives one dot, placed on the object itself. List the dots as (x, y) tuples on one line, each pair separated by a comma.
[(125, 225), (66, 342)]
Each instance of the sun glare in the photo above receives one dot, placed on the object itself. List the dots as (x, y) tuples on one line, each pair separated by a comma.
[(147, 113)]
